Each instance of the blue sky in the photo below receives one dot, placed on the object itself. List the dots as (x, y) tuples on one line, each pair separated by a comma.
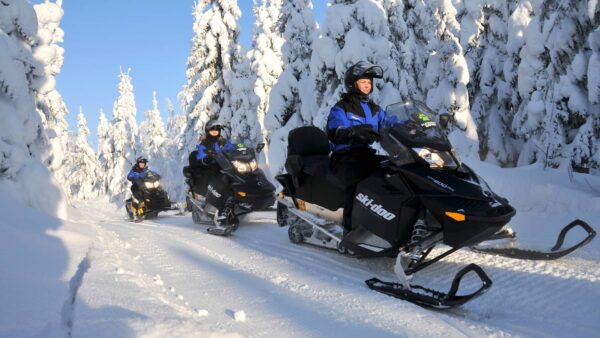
[(152, 37)]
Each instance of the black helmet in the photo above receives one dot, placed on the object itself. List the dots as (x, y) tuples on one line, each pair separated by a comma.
[(212, 125), (141, 159), (361, 69)]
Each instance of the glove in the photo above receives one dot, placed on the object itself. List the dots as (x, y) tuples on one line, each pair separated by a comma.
[(208, 161), (363, 134)]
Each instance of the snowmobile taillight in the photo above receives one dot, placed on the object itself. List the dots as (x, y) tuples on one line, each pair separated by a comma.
[(241, 193), (456, 216)]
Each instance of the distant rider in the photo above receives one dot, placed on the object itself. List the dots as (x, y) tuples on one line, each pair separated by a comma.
[(352, 126), (136, 175)]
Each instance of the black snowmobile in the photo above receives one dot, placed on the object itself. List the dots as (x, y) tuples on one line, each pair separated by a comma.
[(421, 198), (155, 200), (240, 179)]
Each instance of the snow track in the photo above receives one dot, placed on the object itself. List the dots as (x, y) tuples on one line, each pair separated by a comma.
[(259, 283)]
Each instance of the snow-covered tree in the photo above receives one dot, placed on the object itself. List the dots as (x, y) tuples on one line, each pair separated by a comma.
[(265, 56), (104, 151), (22, 173), (447, 76), (49, 101), (215, 52), (551, 82), (354, 30), (292, 94), (408, 21), (484, 37), (83, 182), (242, 118), (152, 132), (121, 143)]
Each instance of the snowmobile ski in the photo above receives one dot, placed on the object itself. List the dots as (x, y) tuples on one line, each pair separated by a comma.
[(431, 298), (554, 253)]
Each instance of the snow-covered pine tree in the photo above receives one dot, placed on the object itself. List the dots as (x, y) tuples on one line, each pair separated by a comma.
[(105, 153), (49, 101), (586, 149), (22, 174), (552, 84), (215, 52), (83, 164), (122, 139), (241, 117), (447, 76), (354, 30), (408, 47), (484, 39), (175, 160), (152, 134), (290, 100), (266, 54)]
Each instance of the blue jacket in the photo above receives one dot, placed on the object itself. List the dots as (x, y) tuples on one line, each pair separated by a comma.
[(346, 114), (136, 174), (217, 147)]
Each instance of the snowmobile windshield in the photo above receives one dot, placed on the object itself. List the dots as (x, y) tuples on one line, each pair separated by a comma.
[(415, 125)]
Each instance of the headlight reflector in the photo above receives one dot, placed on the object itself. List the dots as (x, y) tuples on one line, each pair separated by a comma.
[(437, 159)]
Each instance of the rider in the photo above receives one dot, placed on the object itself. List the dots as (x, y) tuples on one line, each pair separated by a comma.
[(202, 162), (352, 126), (137, 173)]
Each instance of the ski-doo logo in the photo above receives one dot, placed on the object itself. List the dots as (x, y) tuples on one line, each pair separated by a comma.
[(213, 191), (375, 208), (441, 184)]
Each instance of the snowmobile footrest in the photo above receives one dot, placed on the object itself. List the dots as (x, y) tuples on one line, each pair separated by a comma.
[(430, 298), (554, 253)]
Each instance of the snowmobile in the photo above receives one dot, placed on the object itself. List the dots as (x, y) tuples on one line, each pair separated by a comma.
[(241, 181), (422, 197), (155, 200)]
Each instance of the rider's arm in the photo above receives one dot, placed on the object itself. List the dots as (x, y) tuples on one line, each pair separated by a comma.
[(228, 146), (338, 126)]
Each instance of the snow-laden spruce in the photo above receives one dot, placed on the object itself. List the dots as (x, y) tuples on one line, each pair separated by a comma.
[(122, 139), (266, 53), (84, 176), (53, 110), (210, 67), (291, 101), (175, 128), (551, 83), (446, 77), (22, 173), (353, 31), (156, 147), (408, 49)]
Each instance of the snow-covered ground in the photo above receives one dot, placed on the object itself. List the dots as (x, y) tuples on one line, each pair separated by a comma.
[(98, 275)]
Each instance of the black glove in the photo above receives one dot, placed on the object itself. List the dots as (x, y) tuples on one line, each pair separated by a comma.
[(363, 134), (207, 161)]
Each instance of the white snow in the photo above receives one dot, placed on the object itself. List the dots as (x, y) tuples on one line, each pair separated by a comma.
[(98, 275)]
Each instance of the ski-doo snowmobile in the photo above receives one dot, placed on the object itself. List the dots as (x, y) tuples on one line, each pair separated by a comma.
[(154, 199), (241, 183), (421, 198)]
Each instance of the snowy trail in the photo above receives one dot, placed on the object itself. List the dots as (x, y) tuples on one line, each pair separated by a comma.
[(299, 290)]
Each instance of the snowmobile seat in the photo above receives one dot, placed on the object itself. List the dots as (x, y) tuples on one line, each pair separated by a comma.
[(308, 164)]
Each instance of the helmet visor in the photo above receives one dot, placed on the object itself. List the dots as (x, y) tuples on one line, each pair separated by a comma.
[(366, 69)]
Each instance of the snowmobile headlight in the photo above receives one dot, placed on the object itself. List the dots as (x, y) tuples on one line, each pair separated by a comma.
[(437, 159), (156, 184), (242, 167), (149, 185), (253, 165)]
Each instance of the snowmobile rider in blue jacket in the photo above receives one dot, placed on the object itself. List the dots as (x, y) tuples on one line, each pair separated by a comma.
[(352, 126), (137, 173), (202, 161)]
